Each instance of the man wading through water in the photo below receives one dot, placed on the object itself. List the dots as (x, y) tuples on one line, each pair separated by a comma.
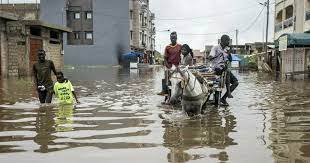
[(42, 71), (172, 57), (220, 58)]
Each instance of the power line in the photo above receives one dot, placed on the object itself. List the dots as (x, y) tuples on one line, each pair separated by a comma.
[(208, 16), (254, 21), (216, 33)]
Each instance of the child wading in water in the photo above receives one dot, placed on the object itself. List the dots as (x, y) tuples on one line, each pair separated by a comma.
[(64, 90)]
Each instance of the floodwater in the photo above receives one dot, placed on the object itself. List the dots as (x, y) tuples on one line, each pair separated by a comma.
[(118, 121)]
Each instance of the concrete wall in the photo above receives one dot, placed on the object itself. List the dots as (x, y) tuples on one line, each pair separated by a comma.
[(300, 15), (81, 25), (23, 11), (111, 31), (293, 60)]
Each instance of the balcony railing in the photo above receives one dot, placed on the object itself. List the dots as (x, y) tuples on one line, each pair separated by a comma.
[(153, 31), (288, 22), (144, 8), (152, 16), (278, 27), (144, 26), (307, 16)]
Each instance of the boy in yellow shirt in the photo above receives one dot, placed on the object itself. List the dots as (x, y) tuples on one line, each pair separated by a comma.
[(64, 90)]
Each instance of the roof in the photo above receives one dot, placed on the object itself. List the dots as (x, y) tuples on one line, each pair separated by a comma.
[(295, 39), (47, 25), (8, 16)]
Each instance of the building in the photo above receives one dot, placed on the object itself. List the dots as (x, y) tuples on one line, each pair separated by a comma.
[(292, 21), (25, 11), (295, 55), (100, 29), (199, 56), (4, 18), (291, 16), (21, 40), (142, 26)]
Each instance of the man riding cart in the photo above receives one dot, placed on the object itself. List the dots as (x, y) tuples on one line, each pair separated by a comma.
[(220, 58)]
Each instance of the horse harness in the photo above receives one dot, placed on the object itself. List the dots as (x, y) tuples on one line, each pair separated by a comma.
[(184, 84)]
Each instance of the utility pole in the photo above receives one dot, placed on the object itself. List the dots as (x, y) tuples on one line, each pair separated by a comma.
[(237, 33), (267, 27)]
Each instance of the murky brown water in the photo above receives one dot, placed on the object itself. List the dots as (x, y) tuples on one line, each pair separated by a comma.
[(118, 121)]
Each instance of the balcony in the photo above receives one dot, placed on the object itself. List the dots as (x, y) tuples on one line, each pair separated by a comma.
[(288, 22), (152, 16), (307, 15), (144, 26), (153, 31), (278, 27), (284, 27), (307, 21), (144, 8)]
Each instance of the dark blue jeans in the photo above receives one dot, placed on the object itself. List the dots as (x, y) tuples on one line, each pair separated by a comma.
[(231, 82)]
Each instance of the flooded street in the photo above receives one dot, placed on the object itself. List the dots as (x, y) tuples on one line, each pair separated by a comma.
[(118, 121)]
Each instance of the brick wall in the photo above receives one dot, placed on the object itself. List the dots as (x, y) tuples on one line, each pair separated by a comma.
[(19, 48), (16, 49), (54, 54), (53, 51), (3, 48)]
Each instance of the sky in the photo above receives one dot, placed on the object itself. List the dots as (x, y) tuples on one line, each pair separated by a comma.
[(202, 22)]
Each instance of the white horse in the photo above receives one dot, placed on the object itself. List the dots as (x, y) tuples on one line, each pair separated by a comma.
[(186, 87)]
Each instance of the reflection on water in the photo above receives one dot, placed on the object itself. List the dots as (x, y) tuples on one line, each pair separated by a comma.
[(290, 123), (268, 121), (212, 130)]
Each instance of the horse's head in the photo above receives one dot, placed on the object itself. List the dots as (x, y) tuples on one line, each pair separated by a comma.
[(178, 80)]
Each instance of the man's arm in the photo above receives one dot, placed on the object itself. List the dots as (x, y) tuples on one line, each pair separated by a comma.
[(212, 53), (35, 77), (53, 67)]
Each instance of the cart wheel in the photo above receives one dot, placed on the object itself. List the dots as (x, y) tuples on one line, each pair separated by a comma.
[(217, 98)]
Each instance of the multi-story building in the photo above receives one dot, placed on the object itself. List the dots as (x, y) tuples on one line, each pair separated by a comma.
[(100, 29), (292, 16), (142, 27)]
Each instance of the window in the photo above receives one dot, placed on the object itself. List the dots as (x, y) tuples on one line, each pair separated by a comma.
[(77, 15), (141, 17), (145, 38), (131, 14), (54, 35), (131, 35), (77, 35), (89, 15), (89, 35), (35, 31)]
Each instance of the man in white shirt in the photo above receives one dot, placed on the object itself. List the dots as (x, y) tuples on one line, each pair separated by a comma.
[(219, 57)]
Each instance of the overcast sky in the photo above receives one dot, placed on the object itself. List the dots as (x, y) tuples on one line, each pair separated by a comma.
[(193, 18)]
